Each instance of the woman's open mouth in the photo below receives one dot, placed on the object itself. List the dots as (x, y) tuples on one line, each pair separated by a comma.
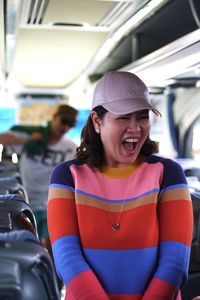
[(130, 144)]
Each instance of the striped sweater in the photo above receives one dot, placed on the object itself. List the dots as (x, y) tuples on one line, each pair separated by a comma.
[(148, 257)]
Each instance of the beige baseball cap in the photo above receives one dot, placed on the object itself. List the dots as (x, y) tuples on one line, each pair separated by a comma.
[(122, 93)]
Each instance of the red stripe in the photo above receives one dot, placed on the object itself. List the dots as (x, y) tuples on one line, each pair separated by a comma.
[(62, 218), (96, 228), (176, 221), (85, 286), (159, 289)]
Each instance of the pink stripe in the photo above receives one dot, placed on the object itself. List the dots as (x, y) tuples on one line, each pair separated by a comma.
[(95, 181)]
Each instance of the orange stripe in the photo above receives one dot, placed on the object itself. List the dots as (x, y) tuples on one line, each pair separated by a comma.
[(60, 193), (176, 194), (114, 206), (61, 218)]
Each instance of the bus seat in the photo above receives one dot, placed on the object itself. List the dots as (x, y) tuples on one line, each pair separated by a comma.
[(11, 174), (191, 288), (16, 214), (5, 168), (18, 236), (194, 171), (195, 249), (27, 271), (8, 179), (12, 186)]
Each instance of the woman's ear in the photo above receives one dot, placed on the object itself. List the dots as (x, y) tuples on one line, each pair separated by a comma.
[(96, 121)]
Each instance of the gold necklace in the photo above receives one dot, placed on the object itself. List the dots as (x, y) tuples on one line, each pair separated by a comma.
[(115, 224), (125, 171)]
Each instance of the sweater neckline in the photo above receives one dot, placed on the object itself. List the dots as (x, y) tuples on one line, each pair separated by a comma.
[(121, 172)]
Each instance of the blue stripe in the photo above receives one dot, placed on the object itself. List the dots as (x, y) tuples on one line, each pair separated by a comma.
[(116, 200), (174, 259), (68, 257), (175, 186), (123, 271), (62, 186), (56, 185)]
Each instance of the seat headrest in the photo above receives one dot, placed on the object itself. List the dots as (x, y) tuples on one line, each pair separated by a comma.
[(18, 235), (8, 197)]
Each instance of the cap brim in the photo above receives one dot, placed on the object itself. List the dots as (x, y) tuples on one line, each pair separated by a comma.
[(127, 106)]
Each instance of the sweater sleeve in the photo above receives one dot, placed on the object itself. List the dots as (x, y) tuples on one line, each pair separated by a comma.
[(175, 226), (71, 266)]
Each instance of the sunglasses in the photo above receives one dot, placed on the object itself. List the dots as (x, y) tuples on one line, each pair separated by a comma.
[(67, 122)]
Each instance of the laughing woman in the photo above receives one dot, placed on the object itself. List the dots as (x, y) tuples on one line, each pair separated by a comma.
[(120, 217)]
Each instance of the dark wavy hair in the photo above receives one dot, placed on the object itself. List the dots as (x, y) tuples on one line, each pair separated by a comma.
[(91, 148)]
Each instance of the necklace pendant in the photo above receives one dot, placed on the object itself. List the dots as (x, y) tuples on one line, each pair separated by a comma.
[(116, 226)]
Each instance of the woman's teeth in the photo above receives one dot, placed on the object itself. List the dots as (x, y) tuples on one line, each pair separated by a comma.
[(131, 140), (130, 143)]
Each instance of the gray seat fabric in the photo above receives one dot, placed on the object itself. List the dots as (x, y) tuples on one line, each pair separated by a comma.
[(195, 251), (11, 185), (27, 271), (192, 286), (16, 214)]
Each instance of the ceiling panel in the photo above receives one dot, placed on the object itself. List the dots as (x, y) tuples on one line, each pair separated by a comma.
[(53, 58), (77, 11), (49, 53)]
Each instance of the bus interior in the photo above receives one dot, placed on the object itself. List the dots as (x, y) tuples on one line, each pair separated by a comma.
[(54, 51)]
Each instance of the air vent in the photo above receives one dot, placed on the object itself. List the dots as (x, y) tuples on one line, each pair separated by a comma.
[(121, 13), (32, 11), (115, 14)]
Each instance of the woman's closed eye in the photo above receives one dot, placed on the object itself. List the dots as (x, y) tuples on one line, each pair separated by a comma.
[(123, 118), (143, 117)]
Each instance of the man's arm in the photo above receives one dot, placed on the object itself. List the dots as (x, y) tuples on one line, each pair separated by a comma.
[(13, 138)]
